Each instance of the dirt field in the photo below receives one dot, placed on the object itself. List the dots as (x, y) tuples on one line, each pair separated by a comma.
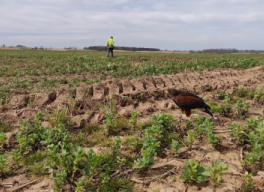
[(147, 97)]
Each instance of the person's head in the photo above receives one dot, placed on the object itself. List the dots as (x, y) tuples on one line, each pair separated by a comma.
[(111, 37)]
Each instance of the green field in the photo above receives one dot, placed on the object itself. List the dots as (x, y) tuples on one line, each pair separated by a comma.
[(120, 150)]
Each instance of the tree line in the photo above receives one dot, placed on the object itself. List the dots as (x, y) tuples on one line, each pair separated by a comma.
[(227, 51), (103, 48)]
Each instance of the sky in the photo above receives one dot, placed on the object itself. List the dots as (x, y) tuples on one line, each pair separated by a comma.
[(163, 24)]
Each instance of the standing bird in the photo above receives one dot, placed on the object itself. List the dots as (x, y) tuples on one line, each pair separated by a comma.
[(187, 101)]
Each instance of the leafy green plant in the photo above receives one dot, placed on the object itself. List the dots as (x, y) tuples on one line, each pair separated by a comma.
[(4, 167), (59, 179), (192, 172), (36, 168), (161, 124), (146, 161), (152, 144), (248, 184), (241, 108), (255, 157), (214, 173), (92, 165), (188, 124), (190, 138), (259, 96), (16, 155), (117, 146), (2, 140), (226, 108), (80, 185), (133, 120), (175, 146), (252, 123), (215, 140), (135, 143), (237, 132), (33, 136), (79, 156), (203, 126), (239, 91), (4, 127)]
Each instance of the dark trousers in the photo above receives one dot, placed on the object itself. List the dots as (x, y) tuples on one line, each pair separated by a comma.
[(110, 50)]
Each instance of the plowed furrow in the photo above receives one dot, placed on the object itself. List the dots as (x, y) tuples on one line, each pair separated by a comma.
[(145, 95)]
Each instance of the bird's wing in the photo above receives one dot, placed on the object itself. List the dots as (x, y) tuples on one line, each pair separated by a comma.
[(190, 102), (189, 94)]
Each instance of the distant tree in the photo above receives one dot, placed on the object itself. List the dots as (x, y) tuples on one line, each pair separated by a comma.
[(3, 45), (20, 46), (103, 48)]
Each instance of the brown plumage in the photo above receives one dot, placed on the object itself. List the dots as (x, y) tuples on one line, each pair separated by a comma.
[(187, 101)]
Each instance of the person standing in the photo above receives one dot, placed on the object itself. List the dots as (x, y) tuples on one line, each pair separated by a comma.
[(110, 45)]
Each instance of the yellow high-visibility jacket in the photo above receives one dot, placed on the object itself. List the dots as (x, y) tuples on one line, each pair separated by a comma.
[(110, 42)]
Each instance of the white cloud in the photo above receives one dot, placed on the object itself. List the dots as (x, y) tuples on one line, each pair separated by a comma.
[(170, 24)]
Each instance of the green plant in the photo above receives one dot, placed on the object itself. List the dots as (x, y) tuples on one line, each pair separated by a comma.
[(133, 120), (81, 135), (146, 161), (110, 123), (59, 157), (161, 124), (259, 96), (240, 92), (252, 123), (214, 173), (241, 108), (59, 117), (188, 124), (190, 138), (4, 127), (248, 184), (135, 143), (33, 136), (256, 156), (215, 140), (80, 185), (152, 144), (237, 132), (92, 165), (4, 167), (16, 155), (79, 156), (226, 108), (37, 168), (2, 140), (175, 146), (59, 179), (203, 126), (72, 104), (117, 146), (192, 172)]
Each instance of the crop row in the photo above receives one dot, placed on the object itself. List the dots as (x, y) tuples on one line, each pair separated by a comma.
[(125, 65)]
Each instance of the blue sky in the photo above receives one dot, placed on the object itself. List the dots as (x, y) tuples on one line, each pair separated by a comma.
[(166, 24)]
